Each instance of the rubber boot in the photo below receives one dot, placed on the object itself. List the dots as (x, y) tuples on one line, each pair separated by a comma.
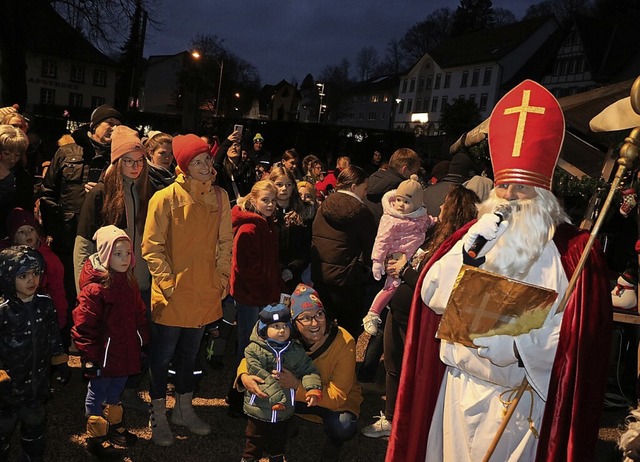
[(184, 415), (117, 433), (130, 399), (160, 432), (97, 442)]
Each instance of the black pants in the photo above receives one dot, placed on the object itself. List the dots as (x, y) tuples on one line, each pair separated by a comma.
[(32, 426), (395, 334), (265, 436)]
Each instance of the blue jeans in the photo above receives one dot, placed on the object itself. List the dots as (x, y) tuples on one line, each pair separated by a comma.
[(103, 390), (339, 426), (177, 344), (246, 319)]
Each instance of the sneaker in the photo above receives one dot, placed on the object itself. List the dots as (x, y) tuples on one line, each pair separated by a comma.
[(371, 322), (378, 429)]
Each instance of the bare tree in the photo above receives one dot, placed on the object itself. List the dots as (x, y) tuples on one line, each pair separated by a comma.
[(427, 34), (367, 60), (502, 17), (394, 59), (562, 9)]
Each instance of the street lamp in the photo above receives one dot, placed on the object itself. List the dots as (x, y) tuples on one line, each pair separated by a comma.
[(196, 55), (320, 86)]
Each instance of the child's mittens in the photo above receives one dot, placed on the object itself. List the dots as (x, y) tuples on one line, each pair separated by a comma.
[(378, 270), (313, 397), (278, 407)]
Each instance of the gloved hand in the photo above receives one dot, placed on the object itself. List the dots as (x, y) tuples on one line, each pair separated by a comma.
[(487, 226), (378, 270), (287, 275), (62, 372), (90, 370), (499, 349)]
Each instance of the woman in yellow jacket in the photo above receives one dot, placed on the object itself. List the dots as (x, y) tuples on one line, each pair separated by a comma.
[(187, 245)]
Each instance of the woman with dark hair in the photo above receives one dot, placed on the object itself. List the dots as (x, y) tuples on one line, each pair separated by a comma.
[(344, 231), (290, 161), (293, 218), (458, 209)]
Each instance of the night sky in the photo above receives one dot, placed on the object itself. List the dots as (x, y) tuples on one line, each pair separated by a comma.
[(286, 39)]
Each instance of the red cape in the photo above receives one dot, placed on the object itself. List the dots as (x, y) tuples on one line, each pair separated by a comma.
[(576, 390)]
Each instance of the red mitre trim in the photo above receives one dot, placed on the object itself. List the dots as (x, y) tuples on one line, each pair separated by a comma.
[(526, 130)]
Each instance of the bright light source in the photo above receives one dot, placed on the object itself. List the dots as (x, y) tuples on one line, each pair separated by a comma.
[(421, 117), (196, 54)]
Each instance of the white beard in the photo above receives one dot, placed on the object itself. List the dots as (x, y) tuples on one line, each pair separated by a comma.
[(531, 226)]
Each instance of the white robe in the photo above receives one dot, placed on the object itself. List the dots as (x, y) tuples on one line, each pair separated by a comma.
[(469, 411)]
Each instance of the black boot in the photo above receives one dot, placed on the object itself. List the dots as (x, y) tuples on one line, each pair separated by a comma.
[(117, 433), (97, 443)]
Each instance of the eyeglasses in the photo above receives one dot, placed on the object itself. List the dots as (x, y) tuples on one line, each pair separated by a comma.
[(306, 320), (130, 162), (197, 163)]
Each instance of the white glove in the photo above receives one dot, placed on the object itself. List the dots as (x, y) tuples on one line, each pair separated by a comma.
[(287, 275), (487, 226), (378, 270), (499, 349)]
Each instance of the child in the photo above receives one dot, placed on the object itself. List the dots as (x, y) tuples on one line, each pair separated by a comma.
[(25, 353), (401, 231), (187, 244), (25, 230), (272, 350), (111, 333)]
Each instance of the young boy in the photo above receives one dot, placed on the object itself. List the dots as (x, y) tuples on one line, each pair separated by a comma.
[(26, 353), (187, 243), (271, 349)]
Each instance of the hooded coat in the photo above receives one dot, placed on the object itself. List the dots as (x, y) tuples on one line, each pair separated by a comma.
[(110, 323)]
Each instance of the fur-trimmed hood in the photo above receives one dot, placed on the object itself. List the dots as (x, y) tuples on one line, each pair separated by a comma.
[(387, 207)]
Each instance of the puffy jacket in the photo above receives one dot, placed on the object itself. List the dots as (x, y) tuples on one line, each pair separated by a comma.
[(262, 358), (255, 272), (110, 323), (187, 244), (343, 234), (29, 338)]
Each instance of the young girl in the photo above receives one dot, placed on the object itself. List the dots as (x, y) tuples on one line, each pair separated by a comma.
[(401, 231), (111, 333)]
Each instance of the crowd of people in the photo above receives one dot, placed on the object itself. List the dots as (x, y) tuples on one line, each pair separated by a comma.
[(137, 249)]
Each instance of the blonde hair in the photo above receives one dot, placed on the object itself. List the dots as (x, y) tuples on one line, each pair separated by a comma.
[(248, 202), (13, 139), (343, 162)]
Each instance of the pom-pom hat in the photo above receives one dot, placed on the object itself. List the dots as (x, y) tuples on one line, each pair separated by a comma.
[(258, 137), (186, 148), (106, 238), (271, 314), (304, 298), (526, 130), (411, 190)]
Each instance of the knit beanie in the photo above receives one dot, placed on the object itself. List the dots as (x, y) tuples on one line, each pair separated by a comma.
[(123, 141), (411, 190), (461, 164), (106, 238), (258, 137), (186, 147), (304, 298), (271, 314), (20, 217), (104, 112)]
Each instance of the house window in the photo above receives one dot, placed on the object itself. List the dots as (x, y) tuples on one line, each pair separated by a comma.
[(429, 82), (412, 87), (360, 115), (425, 108), (461, 97), (100, 78), (421, 83), (373, 115), (49, 69), (77, 73), (483, 101), (437, 84), (97, 101), (47, 96), (409, 106), (401, 107), (418, 103), (375, 98), (444, 103), (447, 80), (75, 99), (475, 77), (487, 76), (383, 116), (465, 79), (472, 97), (404, 85), (385, 98), (363, 98), (434, 104)]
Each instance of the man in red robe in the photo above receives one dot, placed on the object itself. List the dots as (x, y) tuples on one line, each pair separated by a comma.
[(451, 396)]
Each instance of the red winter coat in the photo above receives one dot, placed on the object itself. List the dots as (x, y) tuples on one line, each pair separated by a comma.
[(255, 268), (53, 283), (110, 324)]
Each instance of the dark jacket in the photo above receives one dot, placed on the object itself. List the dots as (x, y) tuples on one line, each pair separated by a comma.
[(160, 177), (381, 182), (29, 338), (255, 272), (243, 174), (344, 231), (110, 323), (73, 166), (16, 190), (434, 195)]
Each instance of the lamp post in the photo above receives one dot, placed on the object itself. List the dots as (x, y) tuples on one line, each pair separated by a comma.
[(196, 55), (320, 86)]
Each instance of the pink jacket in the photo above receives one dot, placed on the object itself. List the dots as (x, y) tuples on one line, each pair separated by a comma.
[(400, 233)]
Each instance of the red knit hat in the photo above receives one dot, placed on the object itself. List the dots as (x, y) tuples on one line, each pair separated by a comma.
[(186, 147), (526, 130), (123, 141)]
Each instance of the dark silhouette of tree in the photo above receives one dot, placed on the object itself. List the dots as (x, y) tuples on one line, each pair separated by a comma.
[(367, 61), (472, 16), (426, 35), (561, 9), (128, 84), (459, 117), (502, 17), (394, 59)]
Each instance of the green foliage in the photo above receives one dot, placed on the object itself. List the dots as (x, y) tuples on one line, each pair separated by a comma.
[(460, 117)]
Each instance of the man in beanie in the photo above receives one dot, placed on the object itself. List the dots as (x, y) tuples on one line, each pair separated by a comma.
[(187, 244), (401, 231), (258, 154), (271, 349), (74, 170), (458, 405)]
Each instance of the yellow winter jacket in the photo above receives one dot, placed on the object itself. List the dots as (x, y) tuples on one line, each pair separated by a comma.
[(187, 244)]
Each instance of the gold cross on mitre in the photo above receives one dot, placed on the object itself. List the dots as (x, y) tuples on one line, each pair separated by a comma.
[(522, 111)]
